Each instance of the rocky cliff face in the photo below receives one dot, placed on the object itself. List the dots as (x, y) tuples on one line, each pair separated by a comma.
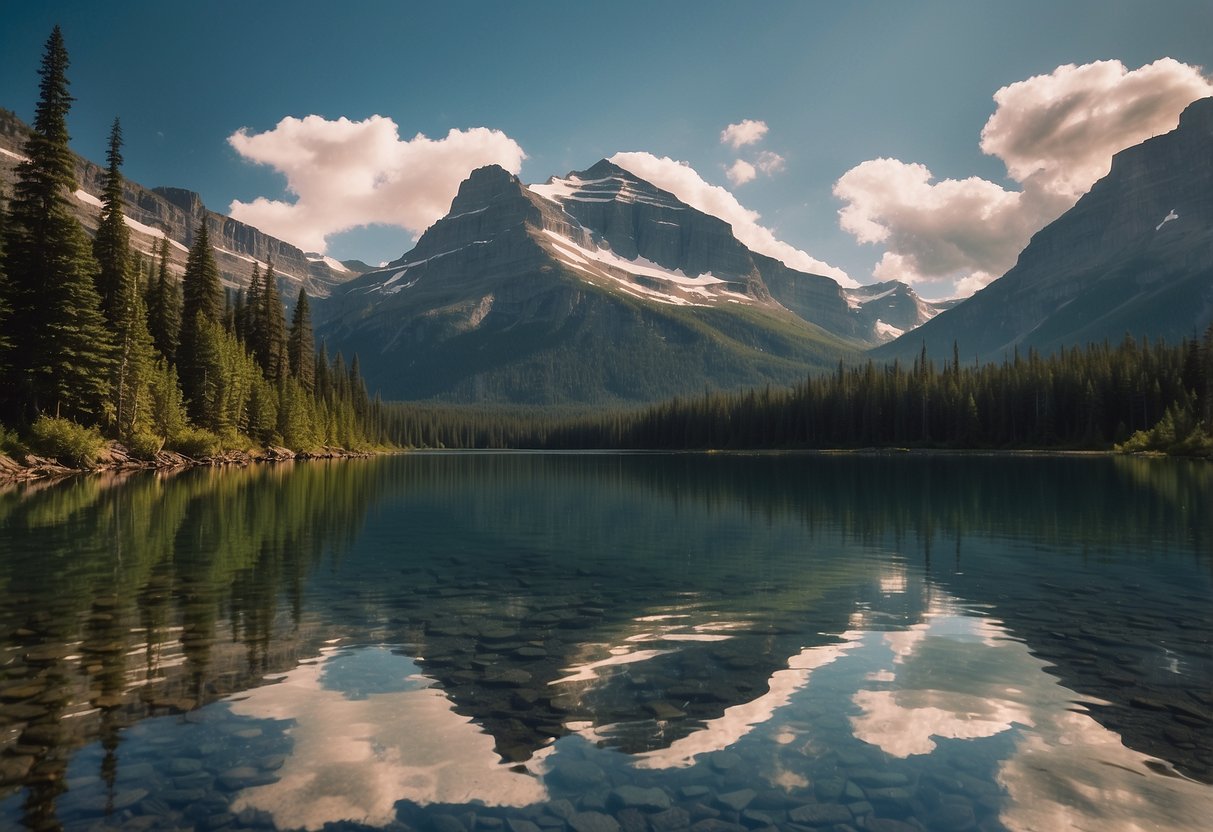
[(598, 287), (890, 309), (175, 213), (1134, 255), (635, 219)]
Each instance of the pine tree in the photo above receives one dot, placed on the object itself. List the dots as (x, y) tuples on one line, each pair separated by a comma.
[(252, 310), (136, 356), (202, 304), (301, 347), (164, 306), (112, 245), (122, 301), (60, 350), (272, 341)]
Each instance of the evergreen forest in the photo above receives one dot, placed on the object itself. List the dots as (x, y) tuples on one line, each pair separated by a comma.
[(96, 339)]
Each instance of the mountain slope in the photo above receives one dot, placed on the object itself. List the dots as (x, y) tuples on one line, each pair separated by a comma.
[(595, 288), (175, 213), (890, 309), (1134, 255)]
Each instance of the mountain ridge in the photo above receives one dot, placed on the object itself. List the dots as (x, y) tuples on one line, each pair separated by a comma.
[(514, 296), (175, 213), (1133, 256)]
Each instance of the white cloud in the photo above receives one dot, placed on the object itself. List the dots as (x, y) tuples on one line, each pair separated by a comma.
[(1056, 134), (770, 162), (747, 131), (680, 179), (741, 172), (346, 174)]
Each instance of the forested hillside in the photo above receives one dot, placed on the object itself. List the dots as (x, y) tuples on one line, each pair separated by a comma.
[(95, 339)]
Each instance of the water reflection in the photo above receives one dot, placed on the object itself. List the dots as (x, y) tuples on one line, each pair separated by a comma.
[(369, 730), (999, 642)]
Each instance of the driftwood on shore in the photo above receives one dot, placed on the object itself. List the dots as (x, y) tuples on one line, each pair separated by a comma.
[(115, 457)]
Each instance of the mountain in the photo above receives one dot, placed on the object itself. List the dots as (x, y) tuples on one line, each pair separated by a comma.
[(890, 309), (1134, 255), (595, 287), (175, 213)]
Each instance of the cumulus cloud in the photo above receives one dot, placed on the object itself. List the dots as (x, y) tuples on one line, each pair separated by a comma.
[(1056, 133), (770, 162), (346, 174), (741, 172), (680, 179), (747, 131)]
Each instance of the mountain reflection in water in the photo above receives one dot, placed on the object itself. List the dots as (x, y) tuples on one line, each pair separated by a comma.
[(1010, 642)]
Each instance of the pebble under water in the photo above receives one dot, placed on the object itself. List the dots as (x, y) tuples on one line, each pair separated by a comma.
[(645, 643)]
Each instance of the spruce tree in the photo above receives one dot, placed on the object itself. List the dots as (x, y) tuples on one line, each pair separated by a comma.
[(252, 310), (272, 342), (112, 245), (164, 306), (59, 357), (301, 347), (136, 356), (202, 304)]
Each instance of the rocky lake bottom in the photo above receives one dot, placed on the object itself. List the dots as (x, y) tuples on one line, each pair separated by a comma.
[(645, 643)]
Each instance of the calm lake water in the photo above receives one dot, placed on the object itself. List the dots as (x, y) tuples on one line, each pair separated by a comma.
[(612, 643)]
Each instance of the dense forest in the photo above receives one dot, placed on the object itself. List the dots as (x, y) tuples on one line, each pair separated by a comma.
[(95, 339), (1137, 395)]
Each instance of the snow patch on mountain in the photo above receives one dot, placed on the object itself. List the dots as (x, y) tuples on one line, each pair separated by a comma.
[(605, 189)]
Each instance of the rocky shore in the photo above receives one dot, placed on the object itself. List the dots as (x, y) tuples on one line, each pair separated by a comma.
[(116, 458)]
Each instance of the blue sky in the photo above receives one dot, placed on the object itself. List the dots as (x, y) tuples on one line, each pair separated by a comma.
[(837, 85)]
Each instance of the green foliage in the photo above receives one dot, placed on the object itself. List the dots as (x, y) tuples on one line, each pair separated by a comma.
[(269, 342), (11, 444), (112, 244), (59, 354), (80, 338), (144, 444), (1082, 398), (196, 443), (202, 303), (301, 346), (167, 404), (164, 306), (67, 441)]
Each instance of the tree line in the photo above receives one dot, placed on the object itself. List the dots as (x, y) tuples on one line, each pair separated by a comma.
[(1135, 394), (94, 335)]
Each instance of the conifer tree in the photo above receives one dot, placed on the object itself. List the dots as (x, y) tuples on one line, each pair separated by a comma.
[(301, 347), (112, 245), (252, 310), (60, 352), (272, 341), (135, 360), (202, 304), (164, 306)]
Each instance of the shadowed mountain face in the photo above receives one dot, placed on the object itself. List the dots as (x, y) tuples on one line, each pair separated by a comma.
[(175, 213), (596, 287), (1134, 255), (890, 309)]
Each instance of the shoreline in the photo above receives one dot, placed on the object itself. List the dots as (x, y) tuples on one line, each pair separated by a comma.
[(114, 458)]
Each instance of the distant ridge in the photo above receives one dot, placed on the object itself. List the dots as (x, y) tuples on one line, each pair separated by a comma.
[(1134, 255)]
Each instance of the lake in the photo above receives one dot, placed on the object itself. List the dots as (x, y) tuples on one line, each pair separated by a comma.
[(612, 643)]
